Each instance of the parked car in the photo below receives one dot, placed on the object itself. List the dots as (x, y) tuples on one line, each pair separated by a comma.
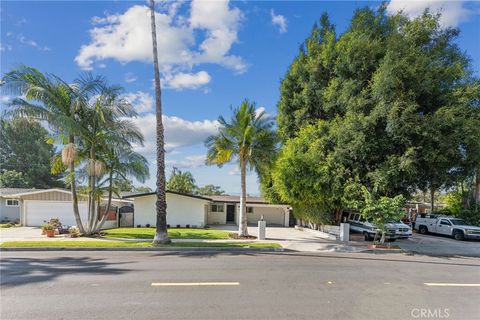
[(361, 225), (450, 226)]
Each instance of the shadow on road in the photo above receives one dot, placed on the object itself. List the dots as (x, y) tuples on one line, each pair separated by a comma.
[(369, 257), (20, 271)]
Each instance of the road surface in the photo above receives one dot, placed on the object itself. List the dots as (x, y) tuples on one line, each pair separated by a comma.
[(118, 285)]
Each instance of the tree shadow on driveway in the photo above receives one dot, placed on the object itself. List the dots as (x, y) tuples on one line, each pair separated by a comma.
[(22, 271)]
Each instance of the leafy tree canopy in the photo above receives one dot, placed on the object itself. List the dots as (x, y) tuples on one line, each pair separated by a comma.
[(181, 181), (390, 104), (23, 149), (210, 190)]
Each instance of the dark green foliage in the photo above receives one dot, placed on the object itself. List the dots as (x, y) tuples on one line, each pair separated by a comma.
[(23, 148), (390, 104)]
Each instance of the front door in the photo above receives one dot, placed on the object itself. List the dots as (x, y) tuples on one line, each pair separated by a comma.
[(230, 213)]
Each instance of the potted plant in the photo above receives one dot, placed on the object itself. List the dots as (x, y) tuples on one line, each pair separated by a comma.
[(49, 230)]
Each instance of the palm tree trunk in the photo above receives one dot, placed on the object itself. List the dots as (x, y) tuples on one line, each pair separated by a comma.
[(161, 235), (73, 188), (242, 221), (99, 225)]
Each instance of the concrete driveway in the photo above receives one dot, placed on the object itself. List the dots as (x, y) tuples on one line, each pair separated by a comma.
[(21, 233), (293, 239), (439, 246), (34, 234)]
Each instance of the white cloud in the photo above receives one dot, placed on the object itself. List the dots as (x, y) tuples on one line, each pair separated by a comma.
[(126, 37), (221, 24), (234, 172), (279, 20), (5, 47), (130, 77), (178, 132), (31, 43), (142, 101), (189, 162), (181, 81), (453, 12)]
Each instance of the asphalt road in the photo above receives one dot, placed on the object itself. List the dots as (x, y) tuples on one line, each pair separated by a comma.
[(118, 285)]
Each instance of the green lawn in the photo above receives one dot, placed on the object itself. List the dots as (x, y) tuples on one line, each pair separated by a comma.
[(124, 244), (174, 233)]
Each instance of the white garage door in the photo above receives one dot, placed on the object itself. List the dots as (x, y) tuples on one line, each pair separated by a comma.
[(273, 216), (37, 212)]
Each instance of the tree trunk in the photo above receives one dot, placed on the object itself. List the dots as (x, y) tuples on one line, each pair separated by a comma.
[(242, 221), (477, 186), (73, 188), (161, 235), (432, 199), (99, 225), (91, 193)]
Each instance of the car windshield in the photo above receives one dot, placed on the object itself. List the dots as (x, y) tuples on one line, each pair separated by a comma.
[(459, 222)]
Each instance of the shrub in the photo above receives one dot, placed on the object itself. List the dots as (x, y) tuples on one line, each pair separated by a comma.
[(147, 225), (55, 222), (74, 232), (48, 226), (139, 225)]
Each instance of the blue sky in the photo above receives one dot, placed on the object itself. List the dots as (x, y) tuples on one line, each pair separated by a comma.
[(214, 54)]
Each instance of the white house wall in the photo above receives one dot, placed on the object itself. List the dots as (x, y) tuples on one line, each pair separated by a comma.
[(181, 210), (273, 215)]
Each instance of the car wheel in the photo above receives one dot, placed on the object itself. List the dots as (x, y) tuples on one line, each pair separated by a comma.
[(366, 236), (458, 235), (423, 230)]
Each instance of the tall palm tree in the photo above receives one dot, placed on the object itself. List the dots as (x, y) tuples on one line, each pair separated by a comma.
[(248, 139), (161, 235), (48, 98)]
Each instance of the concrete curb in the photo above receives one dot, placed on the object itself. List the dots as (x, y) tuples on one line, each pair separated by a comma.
[(172, 249), (383, 251)]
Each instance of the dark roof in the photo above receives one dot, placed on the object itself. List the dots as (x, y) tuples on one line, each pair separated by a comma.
[(235, 199), (136, 195)]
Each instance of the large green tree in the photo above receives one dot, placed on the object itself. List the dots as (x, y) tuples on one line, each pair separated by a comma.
[(248, 139), (24, 149), (398, 98)]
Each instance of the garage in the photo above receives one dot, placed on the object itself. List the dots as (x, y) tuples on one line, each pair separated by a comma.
[(274, 216), (38, 212)]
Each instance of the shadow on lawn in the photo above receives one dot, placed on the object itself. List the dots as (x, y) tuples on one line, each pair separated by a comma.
[(21, 271)]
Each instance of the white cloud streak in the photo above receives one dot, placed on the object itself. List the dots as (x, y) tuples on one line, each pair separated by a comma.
[(453, 12), (279, 21), (178, 132), (125, 37)]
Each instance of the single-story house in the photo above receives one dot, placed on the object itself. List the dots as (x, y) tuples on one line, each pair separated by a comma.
[(37, 206), (10, 207), (199, 211)]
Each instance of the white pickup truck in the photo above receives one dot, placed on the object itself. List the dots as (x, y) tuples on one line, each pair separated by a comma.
[(450, 226)]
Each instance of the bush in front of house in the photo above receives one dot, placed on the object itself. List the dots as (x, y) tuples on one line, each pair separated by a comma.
[(74, 232)]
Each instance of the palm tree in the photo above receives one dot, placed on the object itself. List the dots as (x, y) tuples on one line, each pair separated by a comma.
[(161, 235), (250, 140), (181, 182), (48, 98), (105, 148)]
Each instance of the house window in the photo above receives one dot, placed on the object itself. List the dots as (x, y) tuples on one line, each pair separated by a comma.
[(12, 203), (217, 207), (249, 209)]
